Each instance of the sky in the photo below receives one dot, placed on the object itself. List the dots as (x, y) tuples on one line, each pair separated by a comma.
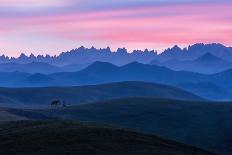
[(54, 26)]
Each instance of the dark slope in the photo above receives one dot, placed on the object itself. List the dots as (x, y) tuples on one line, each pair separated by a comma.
[(5, 116), (65, 137), (201, 124), (84, 94)]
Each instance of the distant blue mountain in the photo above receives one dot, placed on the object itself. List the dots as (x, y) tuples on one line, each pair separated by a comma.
[(208, 58), (38, 80), (84, 55), (207, 64), (39, 67), (195, 51), (214, 87), (34, 67)]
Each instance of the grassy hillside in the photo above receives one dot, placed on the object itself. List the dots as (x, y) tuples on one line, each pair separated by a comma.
[(8, 116), (66, 137), (84, 94), (201, 124)]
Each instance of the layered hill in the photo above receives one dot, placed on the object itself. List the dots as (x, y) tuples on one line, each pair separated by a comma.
[(206, 64), (84, 94), (39, 67), (103, 72), (214, 86)]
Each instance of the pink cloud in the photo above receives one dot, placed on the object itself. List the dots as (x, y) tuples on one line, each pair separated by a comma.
[(164, 25)]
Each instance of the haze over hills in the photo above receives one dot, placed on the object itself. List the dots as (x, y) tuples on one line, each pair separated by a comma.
[(39, 67), (206, 64), (214, 87), (74, 68)]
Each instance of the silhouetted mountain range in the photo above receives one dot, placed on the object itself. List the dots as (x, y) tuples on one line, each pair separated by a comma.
[(195, 51), (84, 55)]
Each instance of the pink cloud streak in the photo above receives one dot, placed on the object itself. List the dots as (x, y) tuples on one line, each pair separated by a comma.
[(171, 24)]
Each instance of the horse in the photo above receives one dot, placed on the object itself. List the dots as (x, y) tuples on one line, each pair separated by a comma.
[(55, 103)]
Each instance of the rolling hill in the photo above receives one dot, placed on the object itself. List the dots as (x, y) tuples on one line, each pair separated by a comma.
[(66, 137), (202, 124), (84, 94), (208, 86), (103, 72)]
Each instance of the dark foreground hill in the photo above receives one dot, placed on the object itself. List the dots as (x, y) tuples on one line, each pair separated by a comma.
[(65, 137), (84, 94), (203, 124)]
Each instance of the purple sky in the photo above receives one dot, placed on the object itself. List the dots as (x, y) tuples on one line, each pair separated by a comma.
[(54, 26)]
